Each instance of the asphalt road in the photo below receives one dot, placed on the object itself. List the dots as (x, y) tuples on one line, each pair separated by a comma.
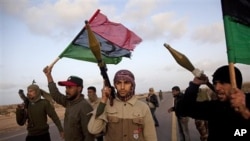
[(167, 131)]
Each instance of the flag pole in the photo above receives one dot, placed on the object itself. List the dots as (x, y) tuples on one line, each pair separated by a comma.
[(53, 63), (95, 14), (90, 20), (232, 75)]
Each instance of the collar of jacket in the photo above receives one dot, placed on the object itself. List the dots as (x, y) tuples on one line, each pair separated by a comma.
[(131, 101)]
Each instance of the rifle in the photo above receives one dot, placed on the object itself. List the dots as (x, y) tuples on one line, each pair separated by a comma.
[(43, 93), (24, 98), (95, 48), (182, 60)]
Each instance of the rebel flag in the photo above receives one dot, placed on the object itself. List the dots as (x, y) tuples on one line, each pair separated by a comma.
[(116, 41), (236, 17)]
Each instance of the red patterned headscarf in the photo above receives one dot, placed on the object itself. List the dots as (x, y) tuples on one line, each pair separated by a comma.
[(127, 76)]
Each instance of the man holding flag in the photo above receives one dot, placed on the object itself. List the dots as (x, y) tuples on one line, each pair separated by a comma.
[(226, 115), (103, 42), (77, 108), (229, 115), (100, 41), (236, 17)]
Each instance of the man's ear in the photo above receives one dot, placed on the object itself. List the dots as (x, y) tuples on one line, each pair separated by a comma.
[(80, 88)]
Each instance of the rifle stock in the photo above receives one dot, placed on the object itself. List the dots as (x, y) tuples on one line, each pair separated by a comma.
[(182, 60), (95, 48)]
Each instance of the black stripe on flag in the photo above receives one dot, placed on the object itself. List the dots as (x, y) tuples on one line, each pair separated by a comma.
[(238, 10)]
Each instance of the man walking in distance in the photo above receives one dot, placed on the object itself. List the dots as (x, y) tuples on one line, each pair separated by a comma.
[(77, 108), (160, 95), (181, 120), (153, 104)]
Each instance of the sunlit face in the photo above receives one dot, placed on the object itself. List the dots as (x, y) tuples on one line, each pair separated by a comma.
[(222, 90), (72, 92), (123, 87), (31, 94), (92, 95)]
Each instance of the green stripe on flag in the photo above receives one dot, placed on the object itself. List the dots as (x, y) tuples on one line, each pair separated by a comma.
[(238, 41), (85, 54), (236, 17)]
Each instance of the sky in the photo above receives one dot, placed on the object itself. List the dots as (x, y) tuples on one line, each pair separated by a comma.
[(34, 33)]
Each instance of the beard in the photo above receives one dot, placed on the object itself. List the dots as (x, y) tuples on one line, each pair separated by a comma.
[(71, 97)]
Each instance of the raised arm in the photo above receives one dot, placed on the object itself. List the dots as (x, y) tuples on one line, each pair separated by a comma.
[(55, 93)]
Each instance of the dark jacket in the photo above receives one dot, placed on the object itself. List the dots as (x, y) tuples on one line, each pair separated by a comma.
[(76, 116), (177, 99), (223, 121), (153, 99), (36, 114)]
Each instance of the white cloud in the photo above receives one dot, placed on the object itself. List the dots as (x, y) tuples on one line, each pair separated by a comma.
[(168, 25), (136, 10), (213, 33), (64, 17), (47, 18)]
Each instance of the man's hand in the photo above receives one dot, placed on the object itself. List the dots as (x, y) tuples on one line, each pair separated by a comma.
[(238, 98), (238, 102), (47, 71), (21, 106), (106, 91)]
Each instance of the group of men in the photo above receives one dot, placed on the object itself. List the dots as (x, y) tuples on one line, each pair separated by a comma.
[(129, 118)]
